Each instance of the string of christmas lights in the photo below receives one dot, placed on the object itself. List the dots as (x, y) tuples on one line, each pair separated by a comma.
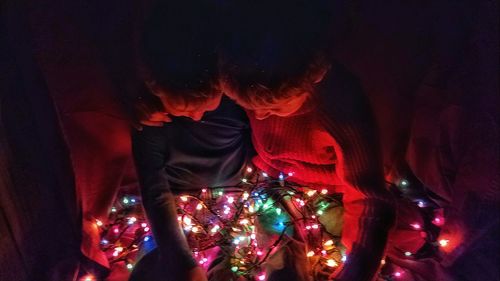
[(233, 217)]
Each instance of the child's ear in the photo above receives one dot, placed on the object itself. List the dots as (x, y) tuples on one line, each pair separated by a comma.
[(320, 74)]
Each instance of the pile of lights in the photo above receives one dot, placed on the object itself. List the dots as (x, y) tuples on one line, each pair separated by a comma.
[(430, 230), (123, 237), (231, 218)]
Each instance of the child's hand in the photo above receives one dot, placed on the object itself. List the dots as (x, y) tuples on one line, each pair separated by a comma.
[(149, 112)]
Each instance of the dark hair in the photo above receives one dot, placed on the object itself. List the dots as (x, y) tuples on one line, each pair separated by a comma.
[(178, 48), (275, 47)]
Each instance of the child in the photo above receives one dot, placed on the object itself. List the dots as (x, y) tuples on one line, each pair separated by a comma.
[(309, 116), (178, 52)]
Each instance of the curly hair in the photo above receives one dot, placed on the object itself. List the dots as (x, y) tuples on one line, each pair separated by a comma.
[(275, 48)]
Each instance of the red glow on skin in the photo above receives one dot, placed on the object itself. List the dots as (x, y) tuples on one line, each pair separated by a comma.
[(278, 107), (192, 109)]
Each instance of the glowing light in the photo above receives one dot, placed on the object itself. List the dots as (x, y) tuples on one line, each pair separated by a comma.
[(281, 176), (259, 253), (278, 211), (310, 193), (245, 195), (404, 183), (130, 266), (199, 206), (315, 226), (421, 204), (310, 253), (125, 200), (88, 277), (116, 230), (319, 212), (382, 262), (194, 229), (262, 277), (113, 210), (204, 190), (328, 243), (331, 263), (416, 226), (398, 274), (187, 220), (444, 242), (184, 198), (147, 238), (234, 268), (265, 175), (249, 169), (104, 242), (215, 229), (344, 258), (324, 191), (244, 221), (144, 224), (290, 174), (407, 254), (438, 221), (98, 222), (244, 180), (230, 199), (132, 220)]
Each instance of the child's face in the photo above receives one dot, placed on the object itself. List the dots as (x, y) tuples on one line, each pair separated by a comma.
[(282, 107), (178, 106), (191, 109)]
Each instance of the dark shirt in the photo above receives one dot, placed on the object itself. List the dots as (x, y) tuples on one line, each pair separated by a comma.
[(184, 156)]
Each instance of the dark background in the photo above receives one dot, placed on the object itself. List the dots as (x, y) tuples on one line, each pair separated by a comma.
[(58, 102)]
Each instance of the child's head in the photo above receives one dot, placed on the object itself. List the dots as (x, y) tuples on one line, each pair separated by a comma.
[(281, 96), (178, 49), (275, 55)]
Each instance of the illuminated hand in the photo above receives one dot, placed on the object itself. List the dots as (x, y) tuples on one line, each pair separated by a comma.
[(149, 112)]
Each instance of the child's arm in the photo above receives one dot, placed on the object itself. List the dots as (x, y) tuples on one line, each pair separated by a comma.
[(346, 114), (150, 151)]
